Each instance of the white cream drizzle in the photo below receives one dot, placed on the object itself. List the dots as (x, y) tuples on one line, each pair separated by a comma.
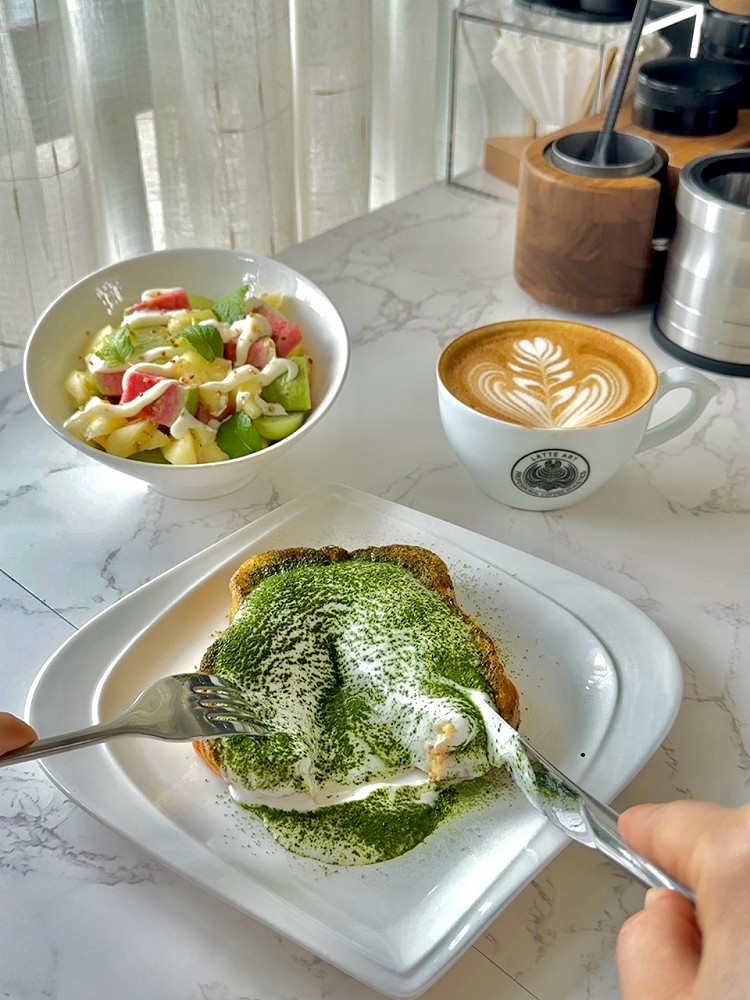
[(289, 800), (248, 330), (152, 317), (154, 293), (96, 407), (432, 741), (187, 423), (243, 374), (224, 329)]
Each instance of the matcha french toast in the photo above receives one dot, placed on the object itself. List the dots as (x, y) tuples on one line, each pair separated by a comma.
[(366, 673)]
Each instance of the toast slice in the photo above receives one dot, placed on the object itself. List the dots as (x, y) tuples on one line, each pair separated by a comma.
[(359, 662)]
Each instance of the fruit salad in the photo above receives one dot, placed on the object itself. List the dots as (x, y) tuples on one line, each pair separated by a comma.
[(185, 380)]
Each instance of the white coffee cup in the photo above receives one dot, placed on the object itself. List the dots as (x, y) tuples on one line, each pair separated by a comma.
[(543, 412)]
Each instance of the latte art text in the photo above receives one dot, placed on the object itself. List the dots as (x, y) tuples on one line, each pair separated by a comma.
[(541, 385)]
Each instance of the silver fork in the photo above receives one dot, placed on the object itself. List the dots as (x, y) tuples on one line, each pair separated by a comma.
[(179, 708), (578, 814)]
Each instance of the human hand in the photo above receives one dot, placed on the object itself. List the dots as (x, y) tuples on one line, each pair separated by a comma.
[(672, 949), (14, 733)]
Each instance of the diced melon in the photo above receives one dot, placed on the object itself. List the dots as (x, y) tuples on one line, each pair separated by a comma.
[(294, 393), (153, 455), (286, 335), (201, 302), (276, 428), (108, 383), (181, 452), (261, 352)]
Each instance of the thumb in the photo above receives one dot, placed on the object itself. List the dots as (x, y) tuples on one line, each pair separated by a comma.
[(658, 949), (14, 732)]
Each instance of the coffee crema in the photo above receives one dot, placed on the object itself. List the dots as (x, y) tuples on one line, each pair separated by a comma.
[(547, 373)]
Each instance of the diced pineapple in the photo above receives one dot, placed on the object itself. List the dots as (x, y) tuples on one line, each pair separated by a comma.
[(141, 435), (214, 401), (275, 299), (252, 384), (211, 452), (97, 338), (189, 318), (182, 451), (101, 425), (193, 368), (80, 387)]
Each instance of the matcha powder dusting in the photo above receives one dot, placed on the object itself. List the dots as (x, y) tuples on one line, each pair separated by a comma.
[(362, 671)]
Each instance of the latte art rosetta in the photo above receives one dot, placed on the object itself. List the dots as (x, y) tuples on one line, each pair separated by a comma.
[(542, 386)]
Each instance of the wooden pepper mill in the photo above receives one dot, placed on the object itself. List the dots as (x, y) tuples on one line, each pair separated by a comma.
[(587, 243)]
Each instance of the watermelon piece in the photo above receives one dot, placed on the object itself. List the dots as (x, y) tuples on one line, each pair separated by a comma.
[(167, 408), (175, 298), (285, 335), (109, 383), (203, 414), (261, 352)]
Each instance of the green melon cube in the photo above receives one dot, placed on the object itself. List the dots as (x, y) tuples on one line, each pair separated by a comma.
[(277, 427), (291, 393)]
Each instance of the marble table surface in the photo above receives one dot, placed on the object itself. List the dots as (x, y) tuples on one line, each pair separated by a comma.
[(86, 913)]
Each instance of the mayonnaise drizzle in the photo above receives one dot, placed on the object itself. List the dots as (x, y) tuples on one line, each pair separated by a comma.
[(248, 330), (187, 423), (248, 373), (96, 407)]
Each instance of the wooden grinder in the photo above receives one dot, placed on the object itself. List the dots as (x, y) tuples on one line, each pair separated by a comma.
[(586, 243)]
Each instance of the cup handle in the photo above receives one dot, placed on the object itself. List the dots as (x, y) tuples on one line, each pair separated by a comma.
[(702, 390)]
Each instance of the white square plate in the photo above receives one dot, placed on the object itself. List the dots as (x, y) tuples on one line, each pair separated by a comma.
[(599, 684)]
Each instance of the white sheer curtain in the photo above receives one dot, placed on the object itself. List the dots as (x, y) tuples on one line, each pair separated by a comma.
[(128, 125)]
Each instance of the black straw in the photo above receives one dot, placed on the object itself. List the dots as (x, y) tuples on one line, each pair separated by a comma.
[(618, 90)]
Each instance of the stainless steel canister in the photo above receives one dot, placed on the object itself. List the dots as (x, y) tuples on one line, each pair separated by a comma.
[(703, 314)]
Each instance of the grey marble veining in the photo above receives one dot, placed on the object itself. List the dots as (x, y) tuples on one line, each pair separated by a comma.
[(83, 906)]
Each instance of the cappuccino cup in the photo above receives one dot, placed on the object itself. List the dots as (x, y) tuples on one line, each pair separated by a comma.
[(543, 412)]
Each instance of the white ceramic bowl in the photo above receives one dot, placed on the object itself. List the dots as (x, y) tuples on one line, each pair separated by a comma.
[(58, 338)]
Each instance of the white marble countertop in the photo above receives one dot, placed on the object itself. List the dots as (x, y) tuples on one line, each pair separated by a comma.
[(86, 913)]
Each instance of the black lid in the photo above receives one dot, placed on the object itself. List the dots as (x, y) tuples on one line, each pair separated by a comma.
[(679, 83), (599, 11), (616, 9), (690, 121), (725, 35), (682, 96)]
